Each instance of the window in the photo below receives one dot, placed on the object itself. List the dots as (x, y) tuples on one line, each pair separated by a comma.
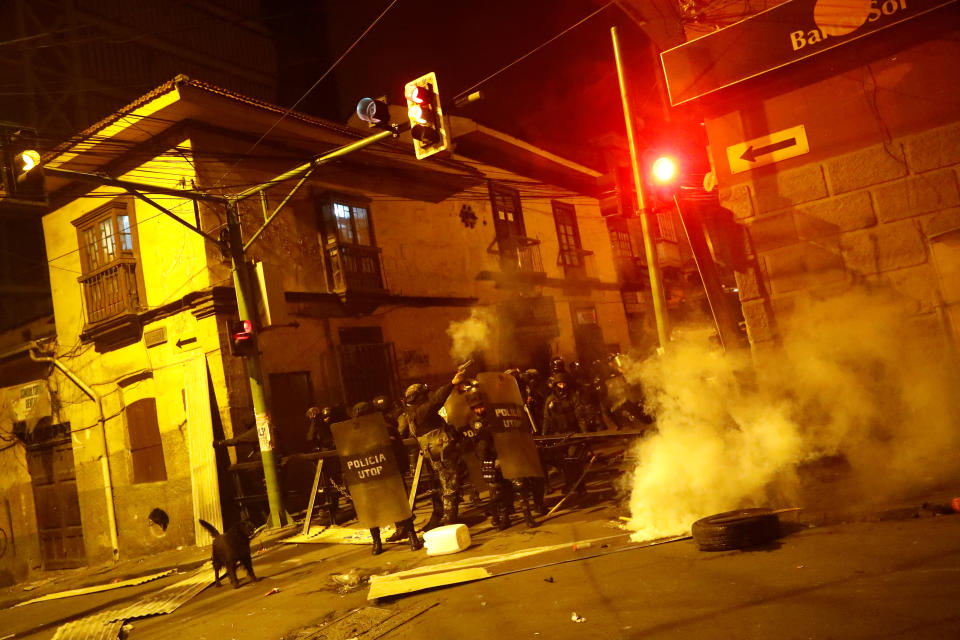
[(111, 279), (507, 216), (619, 238), (568, 235), (351, 253), (146, 449), (351, 225)]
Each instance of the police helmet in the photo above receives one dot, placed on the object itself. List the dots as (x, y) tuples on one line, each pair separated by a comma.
[(471, 390), (361, 409), (416, 393), (557, 365)]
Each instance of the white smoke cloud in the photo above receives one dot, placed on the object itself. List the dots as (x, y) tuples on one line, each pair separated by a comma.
[(471, 335), (854, 376)]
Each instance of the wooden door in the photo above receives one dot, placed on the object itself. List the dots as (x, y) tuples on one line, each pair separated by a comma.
[(54, 482)]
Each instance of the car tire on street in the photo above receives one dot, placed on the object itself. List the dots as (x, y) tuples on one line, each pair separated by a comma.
[(738, 529)]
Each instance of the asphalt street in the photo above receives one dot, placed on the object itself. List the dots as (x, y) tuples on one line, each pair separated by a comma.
[(895, 578)]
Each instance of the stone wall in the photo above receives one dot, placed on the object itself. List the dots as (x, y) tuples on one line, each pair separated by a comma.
[(874, 216)]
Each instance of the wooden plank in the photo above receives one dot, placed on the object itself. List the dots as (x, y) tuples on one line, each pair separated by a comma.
[(203, 464), (386, 588), (416, 480), (313, 498)]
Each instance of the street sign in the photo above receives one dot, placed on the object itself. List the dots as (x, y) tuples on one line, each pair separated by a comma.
[(782, 35), (777, 146)]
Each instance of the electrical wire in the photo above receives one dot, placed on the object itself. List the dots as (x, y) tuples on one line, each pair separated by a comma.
[(469, 90), (314, 85)]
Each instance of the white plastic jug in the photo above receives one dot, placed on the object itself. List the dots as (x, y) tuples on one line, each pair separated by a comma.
[(452, 538)]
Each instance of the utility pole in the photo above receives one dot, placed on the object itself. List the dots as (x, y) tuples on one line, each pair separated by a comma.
[(243, 278), (649, 248)]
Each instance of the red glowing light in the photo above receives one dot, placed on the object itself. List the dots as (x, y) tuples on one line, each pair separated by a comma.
[(664, 169)]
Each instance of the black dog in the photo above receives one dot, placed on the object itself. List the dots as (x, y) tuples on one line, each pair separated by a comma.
[(230, 549)]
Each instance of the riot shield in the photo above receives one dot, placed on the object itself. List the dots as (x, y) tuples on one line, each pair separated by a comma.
[(512, 437), (370, 470), (456, 412)]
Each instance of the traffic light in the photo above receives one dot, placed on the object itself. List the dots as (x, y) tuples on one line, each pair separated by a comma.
[(22, 176), (430, 135), (663, 175), (242, 340), (665, 170), (375, 112)]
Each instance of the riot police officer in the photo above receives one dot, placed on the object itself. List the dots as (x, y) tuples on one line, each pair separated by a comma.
[(318, 434), (502, 491), (586, 400), (405, 528), (320, 437), (438, 443), (559, 410)]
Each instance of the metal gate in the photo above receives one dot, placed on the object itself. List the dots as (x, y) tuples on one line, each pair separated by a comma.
[(54, 482), (366, 371)]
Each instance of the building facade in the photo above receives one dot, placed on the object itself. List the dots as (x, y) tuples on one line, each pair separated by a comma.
[(381, 271)]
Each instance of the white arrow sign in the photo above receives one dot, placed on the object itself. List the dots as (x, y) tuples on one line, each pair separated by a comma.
[(768, 149)]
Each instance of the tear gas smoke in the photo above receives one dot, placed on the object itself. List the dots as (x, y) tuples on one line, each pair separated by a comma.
[(471, 335), (854, 376)]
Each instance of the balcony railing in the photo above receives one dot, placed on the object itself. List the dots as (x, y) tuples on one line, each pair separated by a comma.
[(355, 268), (630, 270), (518, 254), (578, 264), (111, 290)]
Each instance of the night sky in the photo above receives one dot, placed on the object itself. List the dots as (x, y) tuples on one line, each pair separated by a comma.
[(560, 98)]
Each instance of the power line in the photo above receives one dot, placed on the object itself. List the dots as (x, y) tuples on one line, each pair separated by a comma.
[(528, 54), (315, 84)]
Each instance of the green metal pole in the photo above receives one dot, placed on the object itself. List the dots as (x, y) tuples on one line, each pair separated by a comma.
[(247, 307), (650, 250)]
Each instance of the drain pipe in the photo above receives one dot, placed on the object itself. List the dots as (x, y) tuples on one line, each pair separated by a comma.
[(105, 458)]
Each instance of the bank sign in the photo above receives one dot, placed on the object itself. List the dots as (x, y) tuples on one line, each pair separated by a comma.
[(774, 38)]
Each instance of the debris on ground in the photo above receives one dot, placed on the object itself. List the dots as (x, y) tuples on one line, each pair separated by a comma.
[(116, 583), (351, 580), (947, 509), (548, 579), (576, 617), (272, 591), (108, 624), (368, 623), (482, 567)]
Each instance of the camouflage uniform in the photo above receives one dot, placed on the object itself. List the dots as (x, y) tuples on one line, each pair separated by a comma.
[(438, 442)]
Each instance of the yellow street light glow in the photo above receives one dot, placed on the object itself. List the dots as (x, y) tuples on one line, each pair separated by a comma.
[(664, 169), (30, 159)]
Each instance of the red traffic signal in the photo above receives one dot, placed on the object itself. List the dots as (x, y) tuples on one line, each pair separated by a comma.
[(242, 340), (427, 126), (665, 170)]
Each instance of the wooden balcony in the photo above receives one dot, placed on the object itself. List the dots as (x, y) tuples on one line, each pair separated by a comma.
[(631, 271), (578, 264), (354, 268), (518, 254), (111, 290)]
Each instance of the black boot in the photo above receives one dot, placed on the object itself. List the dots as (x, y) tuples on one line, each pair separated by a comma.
[(527, 515), (377, 544), (451, 513), (435, 519), (400, 533), (415, 543)]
